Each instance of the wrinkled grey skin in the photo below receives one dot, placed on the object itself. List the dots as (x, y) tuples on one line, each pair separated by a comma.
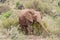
[(27, 17)]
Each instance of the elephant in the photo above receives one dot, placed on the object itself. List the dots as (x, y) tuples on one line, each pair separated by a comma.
[(27, 17)]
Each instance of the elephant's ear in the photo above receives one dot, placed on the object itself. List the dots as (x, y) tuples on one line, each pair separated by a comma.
[(29, 17)]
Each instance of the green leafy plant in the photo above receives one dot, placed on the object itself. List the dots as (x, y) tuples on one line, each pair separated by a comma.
[(7, 14), (17, 4)]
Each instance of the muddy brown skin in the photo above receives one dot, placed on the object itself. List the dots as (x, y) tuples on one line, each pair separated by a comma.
[(27, 17)]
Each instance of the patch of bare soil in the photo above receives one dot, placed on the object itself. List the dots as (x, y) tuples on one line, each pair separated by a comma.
[(51, 37)]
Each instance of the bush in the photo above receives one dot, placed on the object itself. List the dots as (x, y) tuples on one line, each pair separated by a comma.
[(17, 4), (10, 22), (9, 19), (7, 14)]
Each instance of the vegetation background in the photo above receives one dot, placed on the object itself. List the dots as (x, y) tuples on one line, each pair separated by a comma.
[(9, 23)]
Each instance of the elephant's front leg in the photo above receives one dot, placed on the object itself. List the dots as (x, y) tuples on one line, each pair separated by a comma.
[(28, 29)]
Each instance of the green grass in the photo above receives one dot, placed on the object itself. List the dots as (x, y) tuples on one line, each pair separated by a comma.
[(58, 8), (17, 4), (6, 15)]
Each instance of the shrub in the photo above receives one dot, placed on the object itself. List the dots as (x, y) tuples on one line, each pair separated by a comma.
[(9, 19), (10, 22), (17, 4), (7, 14)]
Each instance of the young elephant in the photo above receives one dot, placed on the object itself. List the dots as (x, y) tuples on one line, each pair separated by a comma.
[(27, 17)]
